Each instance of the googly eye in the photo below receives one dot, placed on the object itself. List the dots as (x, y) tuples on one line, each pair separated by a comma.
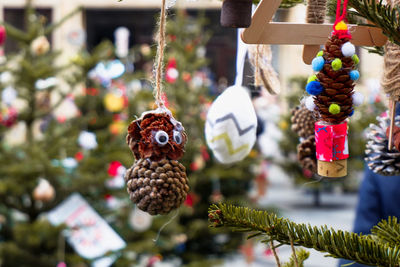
[(178, 126), (161, 138), (177, 137)]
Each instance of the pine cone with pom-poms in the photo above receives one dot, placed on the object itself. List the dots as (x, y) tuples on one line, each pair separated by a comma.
[(306, 154), (338, 85), (333, 85), (157, 187), (302, 121), (378, 158)]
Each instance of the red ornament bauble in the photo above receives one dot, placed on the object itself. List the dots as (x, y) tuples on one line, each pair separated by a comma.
[(2, 35)]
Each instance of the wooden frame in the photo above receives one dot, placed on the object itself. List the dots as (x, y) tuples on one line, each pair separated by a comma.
[(263, 31)]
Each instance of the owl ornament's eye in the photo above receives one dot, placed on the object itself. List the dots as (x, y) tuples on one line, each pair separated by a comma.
[(178, 137), (161, 138)]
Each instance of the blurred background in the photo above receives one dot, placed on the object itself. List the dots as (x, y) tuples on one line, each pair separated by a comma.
[(69, 91)]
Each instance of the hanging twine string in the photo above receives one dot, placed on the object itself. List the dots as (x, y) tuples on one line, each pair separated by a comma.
[(316, 11), (391, 72), (159, 62)]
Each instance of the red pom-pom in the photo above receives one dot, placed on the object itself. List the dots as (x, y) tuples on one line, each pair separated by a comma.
[(113, 168)]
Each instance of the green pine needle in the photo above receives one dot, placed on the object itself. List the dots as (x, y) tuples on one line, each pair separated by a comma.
[(363, 249)]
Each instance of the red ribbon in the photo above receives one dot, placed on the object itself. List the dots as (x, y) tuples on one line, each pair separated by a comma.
[(341, 17)]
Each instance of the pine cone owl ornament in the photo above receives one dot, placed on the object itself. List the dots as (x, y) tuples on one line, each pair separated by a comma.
[(378, 158), (157, 182)]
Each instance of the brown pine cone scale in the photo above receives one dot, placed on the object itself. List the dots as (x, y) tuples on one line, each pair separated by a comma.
[(157, 187)]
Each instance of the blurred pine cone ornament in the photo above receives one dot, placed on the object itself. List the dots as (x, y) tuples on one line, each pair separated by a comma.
[(306, 154), (157, 182), (379, 159), (157, 187), (302, 121)]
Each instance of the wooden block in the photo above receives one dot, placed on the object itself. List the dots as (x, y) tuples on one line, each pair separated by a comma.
[(334, 169), (310, 52)]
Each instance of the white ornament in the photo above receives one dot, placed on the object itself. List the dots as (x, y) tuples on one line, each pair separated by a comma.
[(44, 191), (231, 125), (6, 77), (42, 84), (118, 181), (40, 46), (139, 220), (358, 99), (309, 103), (69, 163), (8, 95), (121, 35), (87, 140), (348, 49)]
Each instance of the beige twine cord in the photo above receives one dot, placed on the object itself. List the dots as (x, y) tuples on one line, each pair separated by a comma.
[(159, 63), (391, 74), (316, 11)]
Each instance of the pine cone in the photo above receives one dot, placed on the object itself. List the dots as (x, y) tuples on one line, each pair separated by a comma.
[(157, 187), (379, 159), (396, 136), (306, 154), (338, 87), (303, 121)]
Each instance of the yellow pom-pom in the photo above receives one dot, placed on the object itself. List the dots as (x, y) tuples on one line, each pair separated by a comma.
[(113, 102), (312, 78), (320, 53), (334, 109), (341, 26)]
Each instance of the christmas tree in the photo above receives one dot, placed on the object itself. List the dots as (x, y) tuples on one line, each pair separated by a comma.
[(84, 151)]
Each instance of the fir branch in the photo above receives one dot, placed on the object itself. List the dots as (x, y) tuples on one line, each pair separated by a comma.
[(388, 231), (339, 244), (302, 255), (383, 16)]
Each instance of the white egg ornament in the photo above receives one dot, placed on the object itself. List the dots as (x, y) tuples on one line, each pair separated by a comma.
[(231, 125)]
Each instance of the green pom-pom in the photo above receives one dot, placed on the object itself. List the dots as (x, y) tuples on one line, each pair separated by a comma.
[(336, 64), (334, 109), (356, 59), (312, 78), (320, 53)]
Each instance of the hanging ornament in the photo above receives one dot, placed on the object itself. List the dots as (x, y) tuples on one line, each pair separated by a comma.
[(140, 221), (114, 102), (157, 182), (121, 35), (44, 191), (69, 164), (3, 35), (117, 172), (231, 125), (87, 140), (171, 73), (264, 74), (379, 158), (8, 95), (8, 116), (302, 121), (332, 88), (306, 154), (40, 46), (236, 13)]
